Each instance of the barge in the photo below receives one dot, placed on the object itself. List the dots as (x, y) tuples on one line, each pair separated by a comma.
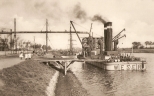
[(105, 49), (131, 65)]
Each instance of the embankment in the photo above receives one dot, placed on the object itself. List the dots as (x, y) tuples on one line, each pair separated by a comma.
[(31, 78), (69, 85), (28, 78)]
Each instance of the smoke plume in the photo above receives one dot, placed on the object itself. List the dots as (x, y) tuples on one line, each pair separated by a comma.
[(79, 13), (99, 18)]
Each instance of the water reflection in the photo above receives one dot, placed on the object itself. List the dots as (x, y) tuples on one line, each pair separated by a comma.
[(95, 79), (116, 83)]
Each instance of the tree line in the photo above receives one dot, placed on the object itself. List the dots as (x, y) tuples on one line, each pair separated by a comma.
[(7, 44), (139, 45)]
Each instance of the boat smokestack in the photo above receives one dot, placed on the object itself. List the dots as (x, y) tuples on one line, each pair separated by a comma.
[(108, 36)]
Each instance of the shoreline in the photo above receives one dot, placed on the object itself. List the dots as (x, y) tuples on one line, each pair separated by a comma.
[(69, 85), (32, 78), (129, 50), (28, 78)]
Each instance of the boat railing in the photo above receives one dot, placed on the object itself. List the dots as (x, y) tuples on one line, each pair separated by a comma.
[(125, 59)]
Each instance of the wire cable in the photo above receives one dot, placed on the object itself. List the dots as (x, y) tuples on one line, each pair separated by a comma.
[(82, 26)]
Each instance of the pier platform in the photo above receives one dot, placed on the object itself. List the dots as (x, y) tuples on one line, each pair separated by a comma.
[(64, 63)]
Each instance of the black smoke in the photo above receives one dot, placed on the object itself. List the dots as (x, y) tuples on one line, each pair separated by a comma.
[(79, 13), (99, 18)]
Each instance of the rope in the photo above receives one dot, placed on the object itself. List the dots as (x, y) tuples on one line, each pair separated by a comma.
[(85, 28), (51, 44), (82, 26)]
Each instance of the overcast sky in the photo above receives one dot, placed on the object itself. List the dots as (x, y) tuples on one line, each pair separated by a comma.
[(136, 16)]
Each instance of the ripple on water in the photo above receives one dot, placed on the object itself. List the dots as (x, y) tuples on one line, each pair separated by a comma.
[(117, 83)]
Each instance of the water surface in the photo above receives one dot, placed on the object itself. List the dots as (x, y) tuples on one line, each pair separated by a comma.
[(117, 83), (8, 62)]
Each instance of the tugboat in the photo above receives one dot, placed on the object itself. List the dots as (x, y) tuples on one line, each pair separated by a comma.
[(106, 56)]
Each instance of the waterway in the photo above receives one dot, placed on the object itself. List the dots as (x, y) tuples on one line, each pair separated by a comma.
[(117, 83), (8, 62)]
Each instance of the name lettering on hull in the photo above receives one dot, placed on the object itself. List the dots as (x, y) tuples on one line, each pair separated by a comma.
[(128, 67)]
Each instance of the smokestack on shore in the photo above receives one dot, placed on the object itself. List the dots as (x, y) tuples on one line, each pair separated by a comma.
[(108, 36)]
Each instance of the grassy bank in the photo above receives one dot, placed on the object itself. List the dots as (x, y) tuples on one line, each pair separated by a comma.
[(28, 78), (69, 85), (31, 78)]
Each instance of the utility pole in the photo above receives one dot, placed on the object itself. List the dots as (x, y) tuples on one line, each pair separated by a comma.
[(15, 41), (11, 41), (46, 36), (71, 45)]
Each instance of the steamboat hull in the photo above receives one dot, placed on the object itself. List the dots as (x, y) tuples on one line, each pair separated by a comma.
[(134, 65)]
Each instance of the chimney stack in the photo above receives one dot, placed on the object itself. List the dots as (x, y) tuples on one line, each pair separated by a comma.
[(108, 36)]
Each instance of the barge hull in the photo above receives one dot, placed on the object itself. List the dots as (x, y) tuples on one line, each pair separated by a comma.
[(138, 65)]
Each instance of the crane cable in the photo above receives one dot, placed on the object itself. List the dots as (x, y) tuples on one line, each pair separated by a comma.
[(82, 26), (85, 28)]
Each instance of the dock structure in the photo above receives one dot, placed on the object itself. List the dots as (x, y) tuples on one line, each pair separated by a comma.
[(64, 63)]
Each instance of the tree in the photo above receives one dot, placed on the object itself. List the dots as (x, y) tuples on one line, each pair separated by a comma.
[(146, 43), (4, 44), (141, 47), (136, 45), (150, 43)]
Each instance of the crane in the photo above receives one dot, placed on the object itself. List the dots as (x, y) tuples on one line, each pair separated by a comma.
[(116, 38), (116, 42)]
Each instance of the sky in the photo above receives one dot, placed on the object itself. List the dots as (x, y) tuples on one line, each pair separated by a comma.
[(136, 16)]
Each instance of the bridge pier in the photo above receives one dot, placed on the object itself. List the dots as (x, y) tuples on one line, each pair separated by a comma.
[(65, 69), (65, 65)]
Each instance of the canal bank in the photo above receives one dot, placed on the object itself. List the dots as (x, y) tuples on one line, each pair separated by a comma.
[(28, 78), (31, 78), (69, 85)]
